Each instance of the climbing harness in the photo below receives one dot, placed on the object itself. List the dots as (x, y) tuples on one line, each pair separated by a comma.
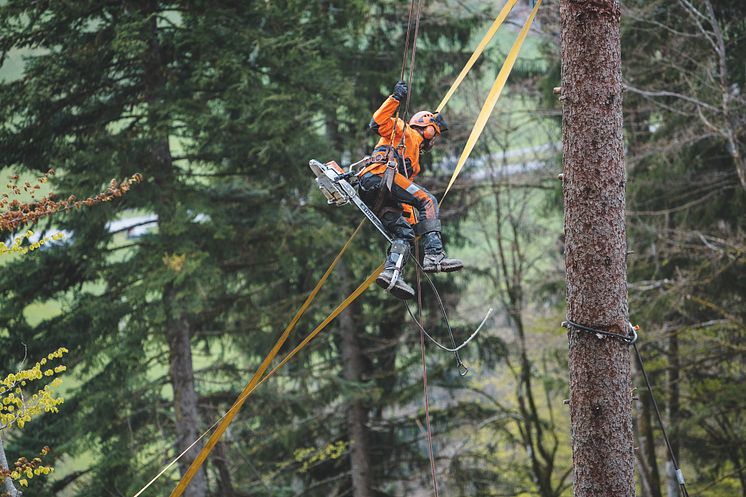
[(334, 183), (631, 339)]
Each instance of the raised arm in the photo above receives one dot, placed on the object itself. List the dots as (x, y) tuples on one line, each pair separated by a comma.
[(383, 119)]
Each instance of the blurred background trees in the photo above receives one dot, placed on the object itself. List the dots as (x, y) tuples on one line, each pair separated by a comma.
[(169, 298)]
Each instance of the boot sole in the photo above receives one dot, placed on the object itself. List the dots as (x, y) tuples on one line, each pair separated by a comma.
[(398, 292), (443, 269)]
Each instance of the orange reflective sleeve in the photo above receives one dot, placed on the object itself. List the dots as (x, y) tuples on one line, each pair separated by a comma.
[(413, 143), (383, 118)]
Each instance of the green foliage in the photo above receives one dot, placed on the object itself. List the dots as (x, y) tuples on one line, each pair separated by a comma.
[(24, 399)]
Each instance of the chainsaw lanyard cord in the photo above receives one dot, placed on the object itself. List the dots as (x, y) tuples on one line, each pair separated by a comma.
[(435, 342), (459, 363)]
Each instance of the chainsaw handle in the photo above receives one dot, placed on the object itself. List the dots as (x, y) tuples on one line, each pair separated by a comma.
[(361, 164), (346, 176)]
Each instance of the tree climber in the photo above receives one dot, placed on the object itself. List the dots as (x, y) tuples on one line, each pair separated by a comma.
[(385, 186)]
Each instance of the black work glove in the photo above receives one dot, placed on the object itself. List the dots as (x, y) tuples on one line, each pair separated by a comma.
[(400, 90), (441, 123)]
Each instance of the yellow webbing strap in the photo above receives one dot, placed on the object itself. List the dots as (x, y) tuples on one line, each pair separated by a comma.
[(341, 307), (228, 416), (480, 48), (254, 383), (494, 94)]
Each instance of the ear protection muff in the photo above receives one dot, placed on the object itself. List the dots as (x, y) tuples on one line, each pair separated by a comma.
[(428, 132)]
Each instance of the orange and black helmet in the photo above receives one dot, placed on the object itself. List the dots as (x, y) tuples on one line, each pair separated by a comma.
[(430, 123)]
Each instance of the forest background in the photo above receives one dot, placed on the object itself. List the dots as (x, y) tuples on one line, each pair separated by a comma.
[(168, 298)]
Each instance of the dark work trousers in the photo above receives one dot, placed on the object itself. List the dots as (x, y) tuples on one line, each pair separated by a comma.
[(403, 191)]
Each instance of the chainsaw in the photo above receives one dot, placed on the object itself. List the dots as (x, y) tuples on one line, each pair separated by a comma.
[(336, 185)]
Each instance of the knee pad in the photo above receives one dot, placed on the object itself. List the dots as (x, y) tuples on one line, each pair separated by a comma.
[(427, 226)]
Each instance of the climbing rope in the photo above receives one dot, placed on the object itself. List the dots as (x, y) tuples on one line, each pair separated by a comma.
[(631, 339), (425, 393)]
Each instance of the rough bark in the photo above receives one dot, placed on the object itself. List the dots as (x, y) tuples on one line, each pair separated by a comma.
[(595, 252), (178, 329), (353, 370)]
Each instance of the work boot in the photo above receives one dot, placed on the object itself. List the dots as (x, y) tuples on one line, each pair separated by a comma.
[(439, 263), (391, 278), (435, 260), (400, 290)]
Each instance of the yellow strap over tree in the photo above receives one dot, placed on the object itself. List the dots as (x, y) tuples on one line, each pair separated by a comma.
[(480, 48), (341, 307), (494, 94), (228, 418)]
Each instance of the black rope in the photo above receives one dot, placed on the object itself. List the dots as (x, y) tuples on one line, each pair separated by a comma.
[(631, 339), (679, 474)]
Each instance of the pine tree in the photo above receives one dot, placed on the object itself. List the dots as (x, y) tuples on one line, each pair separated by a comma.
[(595, 253)]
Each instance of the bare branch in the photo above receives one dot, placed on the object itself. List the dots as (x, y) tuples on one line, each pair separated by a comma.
[(664, 93)]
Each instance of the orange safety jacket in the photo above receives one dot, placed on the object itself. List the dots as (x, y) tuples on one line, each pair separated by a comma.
[(383, 123)]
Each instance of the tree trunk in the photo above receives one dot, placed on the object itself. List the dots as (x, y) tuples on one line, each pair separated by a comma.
[(178, 329), (182, 380), (595, 255), (7, 487), (353, 369), (220, 460)]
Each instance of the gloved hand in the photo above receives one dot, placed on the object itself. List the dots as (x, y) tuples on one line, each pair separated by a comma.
[(400, 90), (441, 122)]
